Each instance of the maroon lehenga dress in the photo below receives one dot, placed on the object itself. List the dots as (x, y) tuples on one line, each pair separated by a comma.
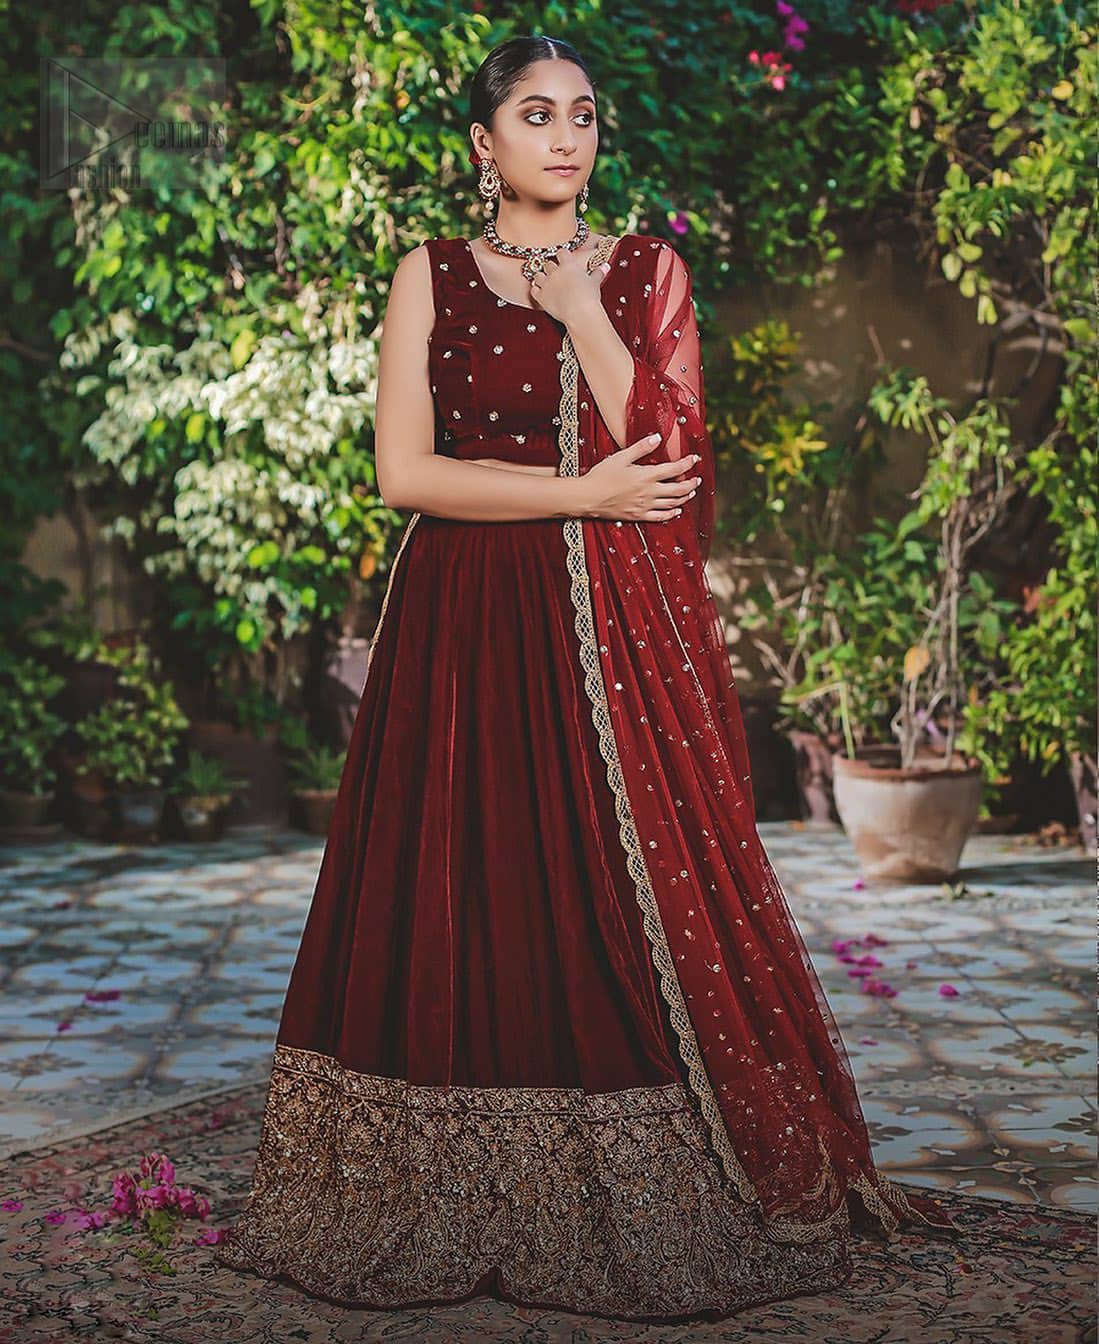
[(552, 1033)]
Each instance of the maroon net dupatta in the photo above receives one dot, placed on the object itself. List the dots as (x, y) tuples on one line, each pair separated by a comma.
[(764, 1056)]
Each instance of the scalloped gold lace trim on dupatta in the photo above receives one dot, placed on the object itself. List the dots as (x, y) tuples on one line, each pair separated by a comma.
[(370, 1190)]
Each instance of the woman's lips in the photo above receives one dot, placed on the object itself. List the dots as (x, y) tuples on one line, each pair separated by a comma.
[(563, 172)]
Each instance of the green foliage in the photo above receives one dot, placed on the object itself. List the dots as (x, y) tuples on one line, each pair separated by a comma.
[(906, 623), (29, 728), (310, 764), (202, 777), (131, 739), (759, 430)]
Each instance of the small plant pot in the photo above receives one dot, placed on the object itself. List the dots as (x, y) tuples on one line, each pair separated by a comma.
[(258, 760), (139, 812), (906, 825), (315, 808), (202, 816), (93, 810), (23, 810)]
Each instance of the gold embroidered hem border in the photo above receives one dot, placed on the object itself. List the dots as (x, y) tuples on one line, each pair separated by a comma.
[(375, 1191)]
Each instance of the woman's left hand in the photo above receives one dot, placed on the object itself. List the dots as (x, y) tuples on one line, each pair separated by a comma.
[(566, 289)]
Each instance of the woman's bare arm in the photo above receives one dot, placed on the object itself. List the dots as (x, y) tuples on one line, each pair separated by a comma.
[(411, 475), (504, 465)]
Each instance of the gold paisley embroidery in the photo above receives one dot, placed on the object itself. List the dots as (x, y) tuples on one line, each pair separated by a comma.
[(372, 1190)]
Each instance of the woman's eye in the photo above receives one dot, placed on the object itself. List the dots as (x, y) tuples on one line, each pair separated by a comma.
[(589, 117)]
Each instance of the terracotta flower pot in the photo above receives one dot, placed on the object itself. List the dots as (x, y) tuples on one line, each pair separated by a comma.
[(202, 816), (315, 808), (22, 810), (906, 825)]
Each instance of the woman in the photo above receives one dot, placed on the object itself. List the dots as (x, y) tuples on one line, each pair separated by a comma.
[(552, 1033)]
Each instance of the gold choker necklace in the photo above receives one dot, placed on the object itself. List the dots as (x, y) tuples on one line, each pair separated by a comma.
[(535, 256)]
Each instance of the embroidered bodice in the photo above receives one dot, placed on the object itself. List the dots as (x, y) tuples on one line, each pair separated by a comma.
[(494, 364)]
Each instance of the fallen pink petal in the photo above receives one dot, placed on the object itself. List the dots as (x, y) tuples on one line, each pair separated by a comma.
[(11, 1205), (948, 991)]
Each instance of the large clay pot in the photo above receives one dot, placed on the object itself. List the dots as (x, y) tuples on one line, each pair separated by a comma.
[(906, 825)]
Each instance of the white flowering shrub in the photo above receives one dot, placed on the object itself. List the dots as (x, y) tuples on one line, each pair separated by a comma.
[(248, 463)]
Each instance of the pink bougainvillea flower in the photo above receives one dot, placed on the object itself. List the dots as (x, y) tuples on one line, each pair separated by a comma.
[(210, 1236), (102, 995), (56, 1216), (869, 960), (858, 972), (879, 989), (678, 222), (858, 884), (157, 1167), (125, 1194), (840, 945), (948, 991), (64, 1026), (88, 1219), (872, 940), (11, 1205)]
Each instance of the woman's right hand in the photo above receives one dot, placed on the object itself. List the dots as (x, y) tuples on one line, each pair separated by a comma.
[(617, 487)]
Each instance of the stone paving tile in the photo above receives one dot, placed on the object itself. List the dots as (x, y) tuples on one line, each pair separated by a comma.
[(990, 1091)]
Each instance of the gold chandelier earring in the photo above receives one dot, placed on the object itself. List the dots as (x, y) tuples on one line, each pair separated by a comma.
[(583, 198), (489, 184)]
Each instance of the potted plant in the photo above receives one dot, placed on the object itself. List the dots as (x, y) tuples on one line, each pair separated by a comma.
[(202, 793), (130, 740), (29, 732), (245, 739), (314, 770), (917, 635)]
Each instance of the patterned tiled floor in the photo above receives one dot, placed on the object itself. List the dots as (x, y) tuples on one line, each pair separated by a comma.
[(189, 948)]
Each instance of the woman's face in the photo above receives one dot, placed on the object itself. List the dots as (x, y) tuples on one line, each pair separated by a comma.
[(548, 120)]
